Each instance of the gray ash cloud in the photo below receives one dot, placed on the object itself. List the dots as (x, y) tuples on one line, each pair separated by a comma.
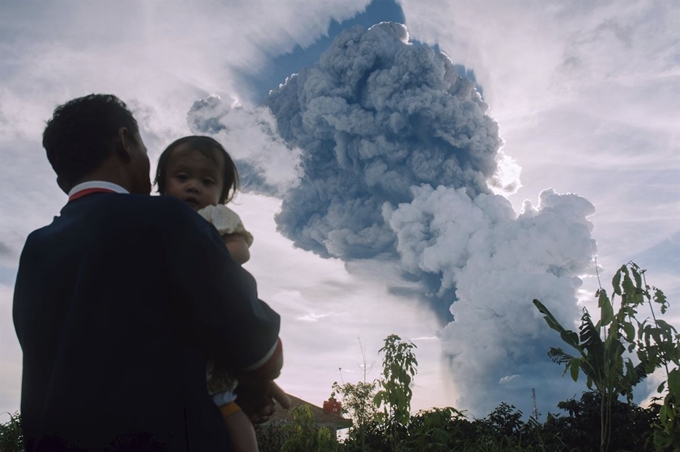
[(394, 156), (374, 117)]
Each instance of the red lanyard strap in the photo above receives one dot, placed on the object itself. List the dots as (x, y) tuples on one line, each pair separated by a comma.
[(87, 191)]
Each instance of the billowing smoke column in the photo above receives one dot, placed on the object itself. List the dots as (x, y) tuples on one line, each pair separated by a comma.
[(497, 263), (375, 117), (397, 155)]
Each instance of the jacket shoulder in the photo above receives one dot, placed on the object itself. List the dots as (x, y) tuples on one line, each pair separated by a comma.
[(155, 206), (167, 212)]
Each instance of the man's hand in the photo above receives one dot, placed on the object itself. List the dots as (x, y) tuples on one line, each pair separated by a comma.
[(258, 400), (280, 396)]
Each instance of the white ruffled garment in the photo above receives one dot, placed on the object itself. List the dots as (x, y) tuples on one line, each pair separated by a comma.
[(226, 221)]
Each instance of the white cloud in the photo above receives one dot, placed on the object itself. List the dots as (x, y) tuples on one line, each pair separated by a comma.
[(425, 338), (507, 378), (10, 355), (311, 317), (250, 135), (586, 98)]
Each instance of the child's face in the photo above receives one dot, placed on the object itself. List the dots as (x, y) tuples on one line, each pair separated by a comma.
[(193, 177)]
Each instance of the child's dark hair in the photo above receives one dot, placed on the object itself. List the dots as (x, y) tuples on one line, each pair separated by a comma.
[(210, 148)]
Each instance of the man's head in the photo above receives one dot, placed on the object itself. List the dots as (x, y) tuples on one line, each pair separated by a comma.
[(92, 134)]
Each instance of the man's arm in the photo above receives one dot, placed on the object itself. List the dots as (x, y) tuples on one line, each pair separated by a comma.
[(218, 298), (237, 246)]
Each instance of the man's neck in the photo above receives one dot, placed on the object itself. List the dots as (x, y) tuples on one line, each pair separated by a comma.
[(110, 173)]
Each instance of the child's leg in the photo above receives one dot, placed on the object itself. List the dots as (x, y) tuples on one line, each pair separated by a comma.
[(240, 429)]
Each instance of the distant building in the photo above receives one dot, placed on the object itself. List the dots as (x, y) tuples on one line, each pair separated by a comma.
[(270, 435), (330, 416)]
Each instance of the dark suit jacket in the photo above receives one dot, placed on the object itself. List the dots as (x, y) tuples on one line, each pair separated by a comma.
[(117, 305)]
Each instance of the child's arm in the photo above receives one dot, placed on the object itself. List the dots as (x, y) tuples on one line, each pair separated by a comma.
[(241, 432), (238, 247), (234, 234)]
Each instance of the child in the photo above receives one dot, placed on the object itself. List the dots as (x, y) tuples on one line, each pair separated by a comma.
[(198, 170)]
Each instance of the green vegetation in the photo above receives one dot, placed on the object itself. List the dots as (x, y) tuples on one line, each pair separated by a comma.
[(357, 401), (447, 429), (303, 434), (11, 439), (394, 397), (605, 352)]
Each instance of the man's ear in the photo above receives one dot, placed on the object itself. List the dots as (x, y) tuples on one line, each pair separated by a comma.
[(123, 144)]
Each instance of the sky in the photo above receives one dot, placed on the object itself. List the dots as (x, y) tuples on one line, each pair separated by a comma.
[(428, 176)]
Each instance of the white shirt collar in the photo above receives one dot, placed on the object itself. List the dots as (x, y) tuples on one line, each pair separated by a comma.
[(97, 184)]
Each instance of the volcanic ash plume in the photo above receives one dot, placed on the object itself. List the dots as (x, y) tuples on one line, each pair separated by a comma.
[(373, 118), (497, 263), (396, 157)]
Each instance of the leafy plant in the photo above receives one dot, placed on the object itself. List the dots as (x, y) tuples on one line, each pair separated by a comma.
[(357, 402), (394, 397), (304, 435), (604, 349), (438, 429), (667, 427), (580, 428), (11, 437)]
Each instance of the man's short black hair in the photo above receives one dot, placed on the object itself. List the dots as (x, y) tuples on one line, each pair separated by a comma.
[(80, 135)]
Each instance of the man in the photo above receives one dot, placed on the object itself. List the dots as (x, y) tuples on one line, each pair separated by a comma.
[(121, 299)]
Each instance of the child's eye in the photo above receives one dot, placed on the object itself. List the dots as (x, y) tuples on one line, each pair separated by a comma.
[(208, 181), (181, 177)]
